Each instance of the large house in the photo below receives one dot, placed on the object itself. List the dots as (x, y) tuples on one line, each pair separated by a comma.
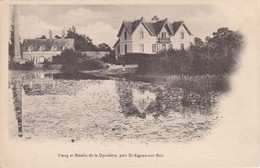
[(140, 36), (39, 50)]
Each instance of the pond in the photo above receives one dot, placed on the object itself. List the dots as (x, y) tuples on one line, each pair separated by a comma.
[(46, 106)]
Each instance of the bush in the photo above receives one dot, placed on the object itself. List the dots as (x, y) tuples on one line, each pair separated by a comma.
[(170, 62), (110, 58), (29, 65), (75, 61)]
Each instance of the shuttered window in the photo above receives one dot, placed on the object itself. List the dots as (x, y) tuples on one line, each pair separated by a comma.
[(182, 35), (125, 35), (125, 48), (170, 46), (141, 47), (118, 48), (154, 47)]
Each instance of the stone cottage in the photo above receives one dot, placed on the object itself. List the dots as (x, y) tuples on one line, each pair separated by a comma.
[(38, 50), (141, 36)]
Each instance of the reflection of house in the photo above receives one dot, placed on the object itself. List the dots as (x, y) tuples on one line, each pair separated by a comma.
[(142, 36), (38, 50), (142, 99)]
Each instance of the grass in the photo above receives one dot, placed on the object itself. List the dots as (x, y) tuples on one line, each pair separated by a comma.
[(198, 84)]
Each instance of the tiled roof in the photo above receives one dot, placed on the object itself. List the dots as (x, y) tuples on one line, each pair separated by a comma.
[(47, 44), (153, 28), (177, 25)]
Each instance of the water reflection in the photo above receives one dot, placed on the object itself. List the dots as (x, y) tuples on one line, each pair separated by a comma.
[(17, 100), (56, 107)]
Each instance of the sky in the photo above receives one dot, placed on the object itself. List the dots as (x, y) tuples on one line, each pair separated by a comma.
[(102, 22)]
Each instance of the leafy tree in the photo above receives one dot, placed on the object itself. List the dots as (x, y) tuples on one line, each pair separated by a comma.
[(82, 42), (104, 47), (75, 61), (198, 42)]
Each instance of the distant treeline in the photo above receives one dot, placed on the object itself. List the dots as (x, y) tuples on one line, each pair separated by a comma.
[(217, 55), (82, 41)]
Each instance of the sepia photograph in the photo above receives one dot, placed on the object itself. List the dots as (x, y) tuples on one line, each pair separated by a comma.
[(129, 74), (83, 73)]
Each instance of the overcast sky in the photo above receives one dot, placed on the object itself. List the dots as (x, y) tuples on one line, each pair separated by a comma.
[(102, 22)]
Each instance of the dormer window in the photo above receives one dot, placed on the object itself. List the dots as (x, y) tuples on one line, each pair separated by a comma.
[(141, 34), (53, 48), (182, 35), (41, 49), (125, 35), (30, 48), (163, 34)]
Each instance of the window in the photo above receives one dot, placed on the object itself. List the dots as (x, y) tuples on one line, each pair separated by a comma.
[(163, 47), (125, 35), (182, 46), (41, 59), (141, 47), (125, 48), (154, 47), (170, 46), (30, 48), (118, 48), (41, 48), (163, 34), (53, 48), (182, 35), (141, 34)]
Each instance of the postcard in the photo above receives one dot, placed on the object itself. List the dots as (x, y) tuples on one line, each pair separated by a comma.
[(129, 84)]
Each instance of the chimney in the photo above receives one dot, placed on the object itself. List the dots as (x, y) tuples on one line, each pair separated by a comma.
[(17, 49), (155, 19), (142, 18)]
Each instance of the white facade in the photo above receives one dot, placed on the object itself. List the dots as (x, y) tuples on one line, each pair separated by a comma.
[(144, 39)]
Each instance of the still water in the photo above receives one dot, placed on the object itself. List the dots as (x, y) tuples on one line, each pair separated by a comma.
[(45, 106)]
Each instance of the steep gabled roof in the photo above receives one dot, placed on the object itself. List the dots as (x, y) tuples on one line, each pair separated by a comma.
[(154, 28), (130, 26), (150, 27), (159, 25), (47, 43), (177, 25)]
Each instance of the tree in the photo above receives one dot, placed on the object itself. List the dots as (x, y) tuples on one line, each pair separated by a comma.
[(104, 47), (82, 42), (218, 54), (198, 42)]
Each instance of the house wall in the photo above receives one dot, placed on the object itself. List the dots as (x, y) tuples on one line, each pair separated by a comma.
[(177, 41), (36, 55), (123, 42), (96, 54), (148, 40), (134, 41)]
